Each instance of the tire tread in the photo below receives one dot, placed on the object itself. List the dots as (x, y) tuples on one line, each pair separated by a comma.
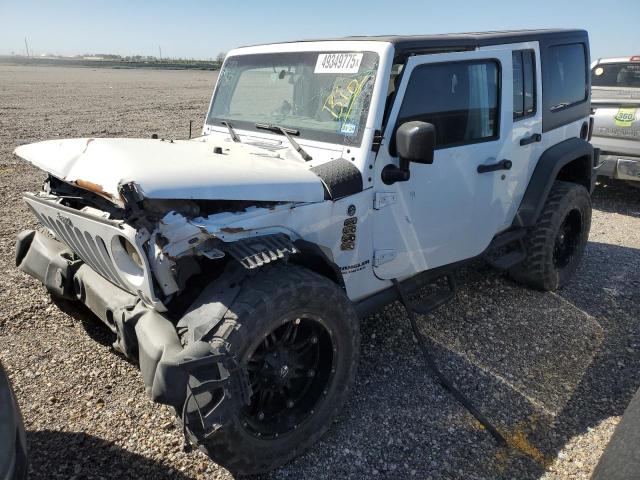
[(537, 270), (241, 319)]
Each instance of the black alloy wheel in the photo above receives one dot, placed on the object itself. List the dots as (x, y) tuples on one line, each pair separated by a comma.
[(568, 239), (289, 372)]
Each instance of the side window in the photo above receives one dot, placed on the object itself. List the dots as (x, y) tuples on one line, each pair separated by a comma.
[(459, 99), (518, 85), (567, 75), (524, 84)]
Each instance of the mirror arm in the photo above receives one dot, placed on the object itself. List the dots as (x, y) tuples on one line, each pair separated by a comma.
[(392, 174)]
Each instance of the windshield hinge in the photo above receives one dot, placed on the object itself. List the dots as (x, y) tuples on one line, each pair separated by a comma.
[(377, 141), (383, 199)]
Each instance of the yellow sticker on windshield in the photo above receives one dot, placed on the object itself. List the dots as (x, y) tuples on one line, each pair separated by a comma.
[(343, 96), (625, 117)]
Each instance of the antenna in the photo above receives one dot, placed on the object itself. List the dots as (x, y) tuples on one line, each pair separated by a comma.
[(27, 46)]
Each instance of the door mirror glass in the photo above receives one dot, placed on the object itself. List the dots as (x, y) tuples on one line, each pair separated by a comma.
[(416, 141)]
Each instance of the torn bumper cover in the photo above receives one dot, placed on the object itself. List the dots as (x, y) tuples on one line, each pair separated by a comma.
[(169, 371)]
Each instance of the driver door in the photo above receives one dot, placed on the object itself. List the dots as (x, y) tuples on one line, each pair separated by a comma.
[(447, 211)]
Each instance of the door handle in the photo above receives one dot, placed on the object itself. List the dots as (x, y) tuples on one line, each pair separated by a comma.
[(492, 167), (536, 137)]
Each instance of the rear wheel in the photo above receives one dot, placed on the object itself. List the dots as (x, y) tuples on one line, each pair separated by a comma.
[(555, 245), (298, 337)]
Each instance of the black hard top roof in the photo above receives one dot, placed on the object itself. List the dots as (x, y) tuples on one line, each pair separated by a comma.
[(461, 41)]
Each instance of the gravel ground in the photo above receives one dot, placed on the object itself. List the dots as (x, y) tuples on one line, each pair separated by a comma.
[(553, 371)]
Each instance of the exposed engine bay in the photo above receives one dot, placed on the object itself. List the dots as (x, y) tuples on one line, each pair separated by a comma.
[(169, 238)]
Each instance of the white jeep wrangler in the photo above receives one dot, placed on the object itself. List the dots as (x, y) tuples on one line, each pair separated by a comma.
[(329, 176)]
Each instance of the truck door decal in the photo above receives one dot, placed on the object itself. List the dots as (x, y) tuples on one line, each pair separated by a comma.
[(625, 117)]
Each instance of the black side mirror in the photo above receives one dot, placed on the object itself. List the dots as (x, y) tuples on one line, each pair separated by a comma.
[(416, 141)]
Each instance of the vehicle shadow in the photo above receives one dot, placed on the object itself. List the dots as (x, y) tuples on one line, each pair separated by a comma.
[(543, 367), (81, 456), (617, 196), (92, 325)]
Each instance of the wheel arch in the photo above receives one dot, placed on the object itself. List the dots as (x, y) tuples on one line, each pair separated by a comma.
[(317, 259), (571, 161)]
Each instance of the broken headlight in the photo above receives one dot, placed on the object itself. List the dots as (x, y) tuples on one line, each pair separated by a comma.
[(128, 260)]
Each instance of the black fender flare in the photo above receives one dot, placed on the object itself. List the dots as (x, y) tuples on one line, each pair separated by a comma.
[(549, 165), (318, 259)]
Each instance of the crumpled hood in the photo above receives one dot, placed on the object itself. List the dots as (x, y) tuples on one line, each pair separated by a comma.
[(181, 169)]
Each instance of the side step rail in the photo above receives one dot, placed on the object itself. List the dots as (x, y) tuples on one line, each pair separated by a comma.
[(432, 302), (507, 249)]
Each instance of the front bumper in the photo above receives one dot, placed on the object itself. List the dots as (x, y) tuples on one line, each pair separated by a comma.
[(143, 334), (620, 167)]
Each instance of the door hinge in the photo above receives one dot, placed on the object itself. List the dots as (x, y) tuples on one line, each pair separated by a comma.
[(383, 199), (377, 141), (381, 257)]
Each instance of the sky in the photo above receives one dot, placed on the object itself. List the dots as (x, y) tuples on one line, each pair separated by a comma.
[(202, 29)]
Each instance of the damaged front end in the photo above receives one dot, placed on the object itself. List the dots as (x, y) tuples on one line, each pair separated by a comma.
[(160, 274)]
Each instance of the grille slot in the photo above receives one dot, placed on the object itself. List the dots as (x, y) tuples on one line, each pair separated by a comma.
[(93, 252)]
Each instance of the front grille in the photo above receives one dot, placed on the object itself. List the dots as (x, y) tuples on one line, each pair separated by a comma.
[(90, 248), (95, 240)]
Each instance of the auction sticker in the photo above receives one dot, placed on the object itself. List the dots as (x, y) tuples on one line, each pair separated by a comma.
[(338, 63)]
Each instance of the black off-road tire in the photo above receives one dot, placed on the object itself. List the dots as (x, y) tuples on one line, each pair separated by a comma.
[(542, 268), (267, 300)]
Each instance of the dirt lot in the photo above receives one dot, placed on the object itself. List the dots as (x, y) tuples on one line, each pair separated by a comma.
[(553, 371)]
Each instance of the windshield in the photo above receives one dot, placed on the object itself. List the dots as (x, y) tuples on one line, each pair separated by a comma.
[(616, 75), (325, 96)]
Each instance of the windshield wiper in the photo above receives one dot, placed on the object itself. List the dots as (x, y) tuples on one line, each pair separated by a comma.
[(232, 132), (287, 132)]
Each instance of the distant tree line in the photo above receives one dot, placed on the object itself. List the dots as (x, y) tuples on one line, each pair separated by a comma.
[(152, 58)]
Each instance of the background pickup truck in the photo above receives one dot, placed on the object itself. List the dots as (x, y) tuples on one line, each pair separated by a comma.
[(615, 97)]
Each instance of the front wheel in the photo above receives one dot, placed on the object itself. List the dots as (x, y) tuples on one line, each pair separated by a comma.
[(298, 337), (555, 245)]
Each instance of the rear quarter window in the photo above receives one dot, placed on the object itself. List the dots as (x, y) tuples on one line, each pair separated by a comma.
[(524, 84), (567, 79)]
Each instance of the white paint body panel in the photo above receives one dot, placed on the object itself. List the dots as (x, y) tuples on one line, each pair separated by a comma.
[(319, 223), (183, 169), (447, 211)]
